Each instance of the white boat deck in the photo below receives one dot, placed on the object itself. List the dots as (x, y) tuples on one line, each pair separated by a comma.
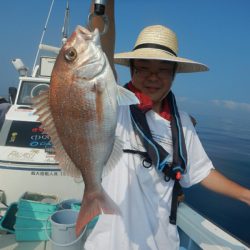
[(195, 232), (8, 242)]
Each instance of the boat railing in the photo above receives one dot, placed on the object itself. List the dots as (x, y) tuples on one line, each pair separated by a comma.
[(197, 232)]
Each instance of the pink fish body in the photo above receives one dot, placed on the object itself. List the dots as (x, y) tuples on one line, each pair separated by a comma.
[(79, 112)]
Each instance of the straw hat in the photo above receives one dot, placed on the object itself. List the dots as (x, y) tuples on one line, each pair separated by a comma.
[(159, 43)]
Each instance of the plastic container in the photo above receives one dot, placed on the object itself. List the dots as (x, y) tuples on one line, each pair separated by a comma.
[(63, 236), (9, 219), (33, 214), (67, 204), (26, 222), (34, 211), (76, 206), (32, 234), (38, 202)]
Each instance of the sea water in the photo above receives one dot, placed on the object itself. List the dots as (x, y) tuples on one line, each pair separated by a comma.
[(225, 136)]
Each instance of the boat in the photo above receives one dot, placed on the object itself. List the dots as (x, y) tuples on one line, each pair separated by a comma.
[(27, 159), (27, 164)]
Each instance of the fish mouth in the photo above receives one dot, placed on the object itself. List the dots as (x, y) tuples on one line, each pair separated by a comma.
[(83, 30)]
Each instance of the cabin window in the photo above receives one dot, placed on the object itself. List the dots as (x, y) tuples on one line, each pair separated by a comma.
[(29, 90)]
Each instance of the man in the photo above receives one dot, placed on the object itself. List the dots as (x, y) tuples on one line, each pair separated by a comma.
[(142, 189)]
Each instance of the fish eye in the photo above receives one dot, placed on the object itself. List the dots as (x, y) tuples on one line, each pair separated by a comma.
[(70, 54)]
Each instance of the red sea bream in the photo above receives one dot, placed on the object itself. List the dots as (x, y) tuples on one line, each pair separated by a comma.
[(79, 112)]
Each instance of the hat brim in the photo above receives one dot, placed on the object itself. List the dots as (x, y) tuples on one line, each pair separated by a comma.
[(183, 65)]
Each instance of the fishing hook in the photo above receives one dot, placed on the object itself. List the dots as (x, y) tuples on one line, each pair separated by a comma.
[(105, 21), (99, 10)]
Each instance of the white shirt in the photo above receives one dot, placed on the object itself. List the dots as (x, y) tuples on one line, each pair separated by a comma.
[(142, 194)]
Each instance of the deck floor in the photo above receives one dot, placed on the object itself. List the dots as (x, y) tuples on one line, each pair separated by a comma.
[(8, 242)]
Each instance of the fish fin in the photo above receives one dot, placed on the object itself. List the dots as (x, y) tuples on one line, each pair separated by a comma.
[(126, 97), (94, 204), (43, 111), (65, 161), (114, 157)]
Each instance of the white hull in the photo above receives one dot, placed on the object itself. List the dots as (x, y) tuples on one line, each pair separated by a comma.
[(16, 179), (27, 162)]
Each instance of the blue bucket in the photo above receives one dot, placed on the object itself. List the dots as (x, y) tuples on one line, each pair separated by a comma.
[(63, 236), (67, 204)]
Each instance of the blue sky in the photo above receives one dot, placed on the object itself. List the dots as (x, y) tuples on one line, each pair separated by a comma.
[(216, 33)]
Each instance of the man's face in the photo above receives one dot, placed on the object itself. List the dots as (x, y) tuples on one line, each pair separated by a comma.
[(153, 78)]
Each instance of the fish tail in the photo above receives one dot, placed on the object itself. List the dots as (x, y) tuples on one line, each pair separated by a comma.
[(93, 205)]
